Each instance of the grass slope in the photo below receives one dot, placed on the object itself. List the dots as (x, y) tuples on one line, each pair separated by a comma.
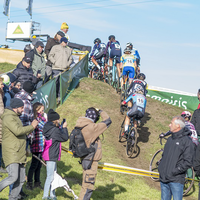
[(5, 67), (111, 185)]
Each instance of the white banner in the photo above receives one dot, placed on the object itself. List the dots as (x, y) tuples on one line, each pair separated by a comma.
[(29, 9), (6, 7)]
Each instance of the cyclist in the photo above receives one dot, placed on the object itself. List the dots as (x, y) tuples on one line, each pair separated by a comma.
[(138, 83), (98, 52), (115, 50), (134, 52), (128, 64), (186, 115), (136, 104)]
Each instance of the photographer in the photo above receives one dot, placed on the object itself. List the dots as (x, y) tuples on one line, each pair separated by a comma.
[(91, 132)]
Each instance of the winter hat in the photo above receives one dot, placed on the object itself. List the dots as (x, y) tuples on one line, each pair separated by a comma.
[(61, 33), (39, 43), (64, 26), (29, 87), (12, 77), (92, 113), (27, 59), (63, 39), (16, 103), (6, 79), (52, 115)]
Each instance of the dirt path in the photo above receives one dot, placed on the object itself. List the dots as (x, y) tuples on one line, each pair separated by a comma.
[(11, 56)]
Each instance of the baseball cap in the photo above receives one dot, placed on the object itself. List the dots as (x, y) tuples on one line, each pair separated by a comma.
[(27, 59)]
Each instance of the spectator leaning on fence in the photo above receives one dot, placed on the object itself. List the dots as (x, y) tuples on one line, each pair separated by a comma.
[(176, 160), (38, 61), (13, 146), (64, 28), (50, 43)]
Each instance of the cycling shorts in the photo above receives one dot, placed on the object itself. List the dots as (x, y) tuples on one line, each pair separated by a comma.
[(100, 55), (116, 53), (131, 71), (136, 114)]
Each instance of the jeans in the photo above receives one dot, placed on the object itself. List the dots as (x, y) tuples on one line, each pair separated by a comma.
[(56, 73), (171, 189), (51, 167), (35, 168), (16, 175)]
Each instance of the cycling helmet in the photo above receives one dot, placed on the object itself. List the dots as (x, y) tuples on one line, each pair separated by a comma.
[(141, 75), (186, 114), (111, 36), (97, 40), (129, 44), (127, 49), (139, 89), (6, 79)]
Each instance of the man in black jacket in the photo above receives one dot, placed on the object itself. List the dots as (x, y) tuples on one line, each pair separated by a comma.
[(176, 159), (196, 120), (24, 72)]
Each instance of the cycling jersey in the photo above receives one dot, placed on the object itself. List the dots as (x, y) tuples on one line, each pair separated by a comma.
[(139, 104), (98, 48), (135, 84), (194, 136), (128, 60)]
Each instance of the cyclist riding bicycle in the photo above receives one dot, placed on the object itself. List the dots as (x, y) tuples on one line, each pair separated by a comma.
[(139, 82), (186, 115), (136, 104), (98, 52), (115, 51), (128, 65), (134, 52)]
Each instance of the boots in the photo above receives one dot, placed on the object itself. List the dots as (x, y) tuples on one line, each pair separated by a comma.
[(29, 186), (38, 185)]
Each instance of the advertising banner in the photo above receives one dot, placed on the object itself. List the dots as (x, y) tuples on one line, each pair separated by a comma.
[(176, 99), (70, 79), (6, 7), (47, 95), (29, 8)]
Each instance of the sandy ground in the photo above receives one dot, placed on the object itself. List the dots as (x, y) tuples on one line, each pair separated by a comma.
[(11, 56)]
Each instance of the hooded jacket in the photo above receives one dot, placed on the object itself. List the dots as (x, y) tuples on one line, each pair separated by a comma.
[(53, 138), (177, 157), (13, 138), (92, 131)]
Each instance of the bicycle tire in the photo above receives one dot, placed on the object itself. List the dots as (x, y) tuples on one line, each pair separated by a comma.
[(131, 144), (122, 98), (188, 183), (135, 138), (122, 130), (155, 162)]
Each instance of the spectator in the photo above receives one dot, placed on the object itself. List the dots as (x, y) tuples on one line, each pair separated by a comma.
[(7, 94), (29, 47), (176, 160), (50, 43), (38, 61), (198, 96), (64, 28), (196, 121), (91, 133), (12, 83), (1, 112), (54, 135), (13, 146), (24, 72), (61, 58), (37, 147)]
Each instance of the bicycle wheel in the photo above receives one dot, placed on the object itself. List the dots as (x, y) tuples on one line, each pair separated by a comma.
[(135, 133), (122, 130), (122, 98), (189, 181), (155, 161)]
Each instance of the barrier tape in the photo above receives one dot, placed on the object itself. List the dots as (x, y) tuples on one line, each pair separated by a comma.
[(124, 169)]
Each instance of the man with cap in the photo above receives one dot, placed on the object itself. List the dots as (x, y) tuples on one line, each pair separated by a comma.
[(50, 43), (13, 146), (91, 132), (64, 28), (38, 63), (24, 72), (61, 59)]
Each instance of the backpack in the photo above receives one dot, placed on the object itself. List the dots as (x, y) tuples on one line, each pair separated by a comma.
[(77, 144)]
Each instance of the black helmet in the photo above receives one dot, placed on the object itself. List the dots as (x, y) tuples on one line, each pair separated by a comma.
[(27, 48), (141, 75), (111, 36), (97, 40), (129, 44), (127, 49)]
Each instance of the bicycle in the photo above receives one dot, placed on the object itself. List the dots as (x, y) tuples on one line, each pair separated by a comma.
[(115, 76), (155, 161), (130, 138)]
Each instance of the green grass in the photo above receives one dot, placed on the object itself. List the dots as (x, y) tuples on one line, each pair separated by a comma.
[(5, 67), (110, 185)]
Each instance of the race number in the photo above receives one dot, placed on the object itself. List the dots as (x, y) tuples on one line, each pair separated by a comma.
[(117, 46), (140, 100), (102, 46), (129, 61)]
